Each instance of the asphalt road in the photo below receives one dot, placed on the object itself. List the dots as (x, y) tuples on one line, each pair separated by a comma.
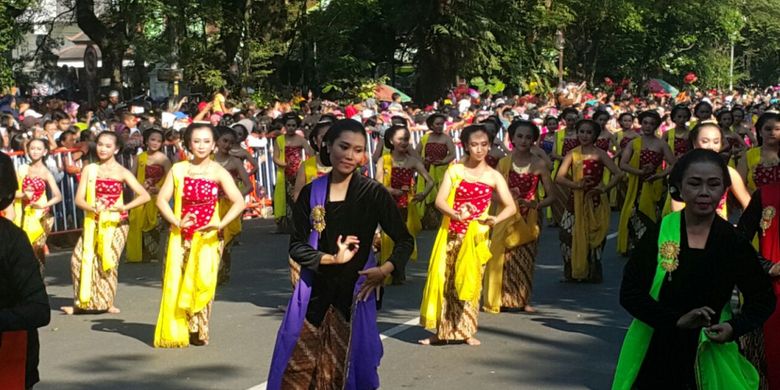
[(571, 343)]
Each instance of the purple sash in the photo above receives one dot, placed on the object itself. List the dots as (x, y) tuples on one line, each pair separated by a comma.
[(365, 347)]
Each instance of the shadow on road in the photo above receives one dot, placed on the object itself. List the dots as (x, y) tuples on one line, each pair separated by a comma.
[(141, 332)]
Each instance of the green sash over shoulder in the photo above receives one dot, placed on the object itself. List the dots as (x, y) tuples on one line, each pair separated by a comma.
[(718, 366)]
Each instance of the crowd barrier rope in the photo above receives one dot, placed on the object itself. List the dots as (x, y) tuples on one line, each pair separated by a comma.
[(69, 218)]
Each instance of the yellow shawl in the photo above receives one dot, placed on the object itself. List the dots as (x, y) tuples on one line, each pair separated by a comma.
[(526, 229), (96, 245), (188, 291), (474, 253), (28, 218), (280, 192), (591, 222), (650, 193), (142, 219), (413, 223), (753, 157)]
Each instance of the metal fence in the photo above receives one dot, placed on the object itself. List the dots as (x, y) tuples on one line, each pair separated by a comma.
[(68, 217)]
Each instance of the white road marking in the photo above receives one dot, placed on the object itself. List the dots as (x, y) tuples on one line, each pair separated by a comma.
[(388, 333), (612, 235)]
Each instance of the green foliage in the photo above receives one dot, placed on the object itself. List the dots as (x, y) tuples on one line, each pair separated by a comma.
[(11, 30)]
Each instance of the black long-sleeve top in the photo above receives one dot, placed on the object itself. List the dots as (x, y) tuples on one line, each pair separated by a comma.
[(750, 221), (705, 277), (366, 205), (24, 304)]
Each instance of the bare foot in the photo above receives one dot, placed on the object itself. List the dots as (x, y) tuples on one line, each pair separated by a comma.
[(433, 340), (113, 310), (473, 342), (529, 309), (67, 309), (194, 340)]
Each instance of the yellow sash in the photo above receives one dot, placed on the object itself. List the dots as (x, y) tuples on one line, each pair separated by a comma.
[(96, 245), (143, 218), (28, 218), (591, 222), (753, 160), (280, 193), (473, 254), (186, 292), (413, 223), (649, 195), (526, 229)]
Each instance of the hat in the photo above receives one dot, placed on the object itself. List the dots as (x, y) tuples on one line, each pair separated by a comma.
[(113, 94)]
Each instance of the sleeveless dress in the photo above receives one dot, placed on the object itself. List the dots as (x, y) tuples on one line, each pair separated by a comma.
[(517, 278)]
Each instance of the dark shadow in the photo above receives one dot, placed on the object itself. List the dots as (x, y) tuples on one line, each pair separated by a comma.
[(141, 332)]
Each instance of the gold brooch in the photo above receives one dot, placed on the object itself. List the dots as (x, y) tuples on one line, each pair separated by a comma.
[(767, 215), (318, 218), (670, 251)]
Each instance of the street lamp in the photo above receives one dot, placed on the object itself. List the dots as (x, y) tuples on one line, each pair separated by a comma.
[(559, 44)]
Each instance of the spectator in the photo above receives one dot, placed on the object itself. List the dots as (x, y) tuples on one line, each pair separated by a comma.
[(24, 304)]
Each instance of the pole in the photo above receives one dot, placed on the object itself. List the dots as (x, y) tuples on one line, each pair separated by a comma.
[(560, 66), (731, 68)]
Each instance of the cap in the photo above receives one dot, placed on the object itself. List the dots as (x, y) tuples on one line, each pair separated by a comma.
[(113, 94)]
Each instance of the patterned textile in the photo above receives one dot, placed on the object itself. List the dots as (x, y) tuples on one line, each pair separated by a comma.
[(569, 144), (319, 360), (472, 196), (767, 174), (434, 152), (650, 157), (602, 143), (199, 199), (681, 146), (458, 320), (104, 283), (108, 191), (401, 179), (293, 155), (524, 184), (518, 275), (39, 246), (35, 185), (624, 142), (492, 161)]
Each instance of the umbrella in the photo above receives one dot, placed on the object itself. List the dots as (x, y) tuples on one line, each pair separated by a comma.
[(660, 86), (385, 93)]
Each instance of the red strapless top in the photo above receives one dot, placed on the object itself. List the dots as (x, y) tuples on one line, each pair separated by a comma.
[(154, 173), (475, 194), (764, 175), (602, 143), (199, 198), (525, 184), (625, 141), (434, 151), (595, 170), (108, 192), (569, 144), (36, 185), (293, 155), (400, 178), (680, 146), (650, 157)]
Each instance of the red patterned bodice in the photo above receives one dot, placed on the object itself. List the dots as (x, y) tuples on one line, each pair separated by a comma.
[(293, 155), (593, 169), (475, 196), (602, 143), (154, 173), (569, 144), (199, 198), (625, 141), (492, 161), (650, 157), (108, 191), (764, 175), (524, 186), (36, 185), (434, 152), (401, 179), (680, 146)]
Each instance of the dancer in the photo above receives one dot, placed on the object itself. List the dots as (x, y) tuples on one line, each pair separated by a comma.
[(194, 244), (642, 160), (760, 165), (287, 155), (585, 221), (437, 152), (678, 286), (144, 238), (735, 145), (450, 302), (95, 261), (396, 172), (509, 273), (32, 211), (329, 338), (226, 142), (565, 140), (677, 139)]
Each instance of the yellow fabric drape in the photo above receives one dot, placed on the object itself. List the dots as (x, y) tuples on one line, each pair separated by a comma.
[(190, 291), (649, 195), (527, 230), (437, 173), (475, 243), (28, 218), (143, 218), (96, 245), (753, 157), (413, 218), (560, 137), (591, 222), (280, 192)]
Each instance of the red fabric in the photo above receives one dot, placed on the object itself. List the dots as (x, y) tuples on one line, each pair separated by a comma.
[(624, 142), (680, 146), (524, 186), (770, 249), (434, 152), (400, 178), (199, 199), (764, 175), (492, 161), (36, 185), (108, 191), (650, 157), (293, 155), (154, 173), (602, 143), (475, 196), (13, 360), (569, 144)]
